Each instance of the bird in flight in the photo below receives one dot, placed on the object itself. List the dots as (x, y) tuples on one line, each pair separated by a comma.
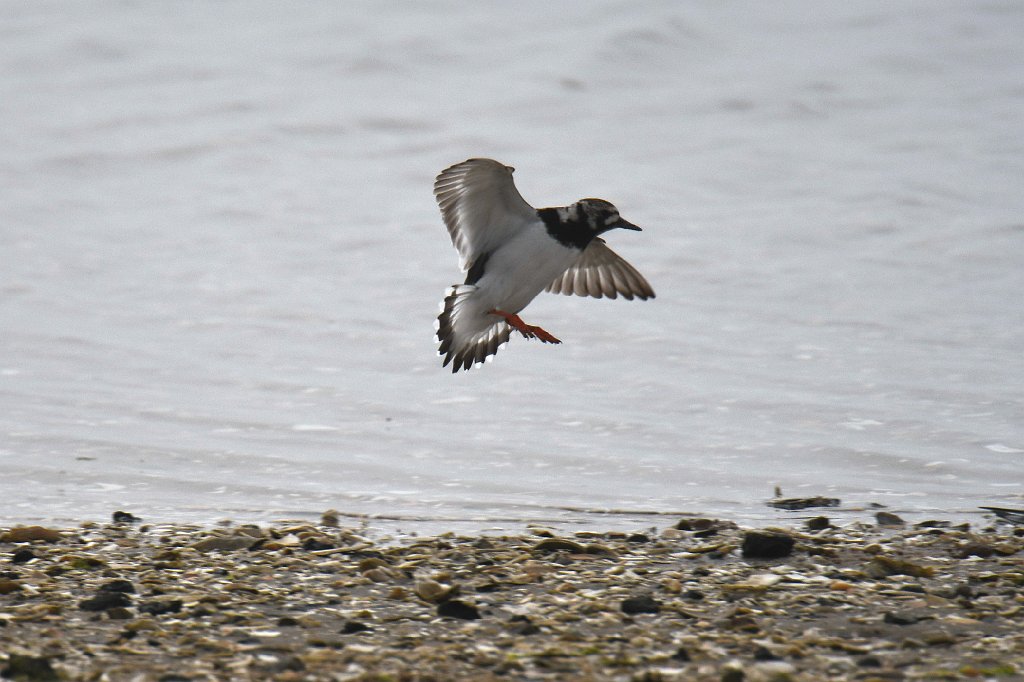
[(511, 252)]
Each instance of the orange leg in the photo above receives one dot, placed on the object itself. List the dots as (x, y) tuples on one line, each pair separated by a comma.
[(527, 330)]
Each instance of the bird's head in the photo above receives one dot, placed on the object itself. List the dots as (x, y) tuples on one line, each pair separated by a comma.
[(600, 215)]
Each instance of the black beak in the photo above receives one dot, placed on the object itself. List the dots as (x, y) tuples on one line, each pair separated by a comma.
[(626, 225)]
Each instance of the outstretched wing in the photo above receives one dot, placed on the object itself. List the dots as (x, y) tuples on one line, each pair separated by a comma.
[(601, 272), (481, 207)]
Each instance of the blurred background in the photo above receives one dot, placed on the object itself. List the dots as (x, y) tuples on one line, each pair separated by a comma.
[(221, 261)]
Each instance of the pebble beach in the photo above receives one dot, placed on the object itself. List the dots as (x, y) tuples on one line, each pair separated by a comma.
[(702, 599)]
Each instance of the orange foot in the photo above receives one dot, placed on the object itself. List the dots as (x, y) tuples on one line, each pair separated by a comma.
[(527, 330)]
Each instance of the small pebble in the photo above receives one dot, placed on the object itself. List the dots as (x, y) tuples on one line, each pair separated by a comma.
[(34, 668), (642, 604), (818, 523), (159, 608), (559, 545), (884, 518), (22, 556), (767, 545), (228, 543), (119, 585), (797, 503), (354, 626), (458, 609), (105, 600), (900, 618), (969, 549), (124, 517), (9, 586), (869, 662)]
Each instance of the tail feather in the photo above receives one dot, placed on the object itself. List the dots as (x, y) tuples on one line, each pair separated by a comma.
[(463, 340)]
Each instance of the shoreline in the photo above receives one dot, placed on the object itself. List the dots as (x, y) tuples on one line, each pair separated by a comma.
[(703, 599)]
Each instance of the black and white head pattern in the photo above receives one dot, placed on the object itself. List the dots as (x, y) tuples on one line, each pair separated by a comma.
[(577, 224)]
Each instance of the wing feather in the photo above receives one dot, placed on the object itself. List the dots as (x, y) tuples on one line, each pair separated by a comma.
[(481, 207), (600, 272)]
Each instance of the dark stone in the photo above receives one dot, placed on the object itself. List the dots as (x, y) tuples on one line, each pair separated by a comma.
[(595, 549), (883, 566), (159, 608), (869, 661), (638, 537), (290, 664), (695, 595), (795, 503), (559, 545), (22, 555), (80, 563), (762, 653), (733, 675), (521, 625), (118, 586), (703, 524), (8, 586), (287, 622), (741, 622), (681, 655), (933, 524), (758, 544), (818, 523), (454, 608), (884, 518), (224, 543), (900, 618), (642, 604), (353, 626), (36, 669), (125, 517), (978, 549), (314, 545), (173, 677), (105, 600), (325, 643), (490, 586)]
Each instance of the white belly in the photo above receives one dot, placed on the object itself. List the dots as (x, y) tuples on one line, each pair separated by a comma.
[(521, 269)]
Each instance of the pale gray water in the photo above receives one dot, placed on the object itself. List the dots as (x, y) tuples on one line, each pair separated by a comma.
[(220, 260)]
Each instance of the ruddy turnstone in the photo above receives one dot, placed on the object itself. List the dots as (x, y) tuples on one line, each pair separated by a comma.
[(511, 252)]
